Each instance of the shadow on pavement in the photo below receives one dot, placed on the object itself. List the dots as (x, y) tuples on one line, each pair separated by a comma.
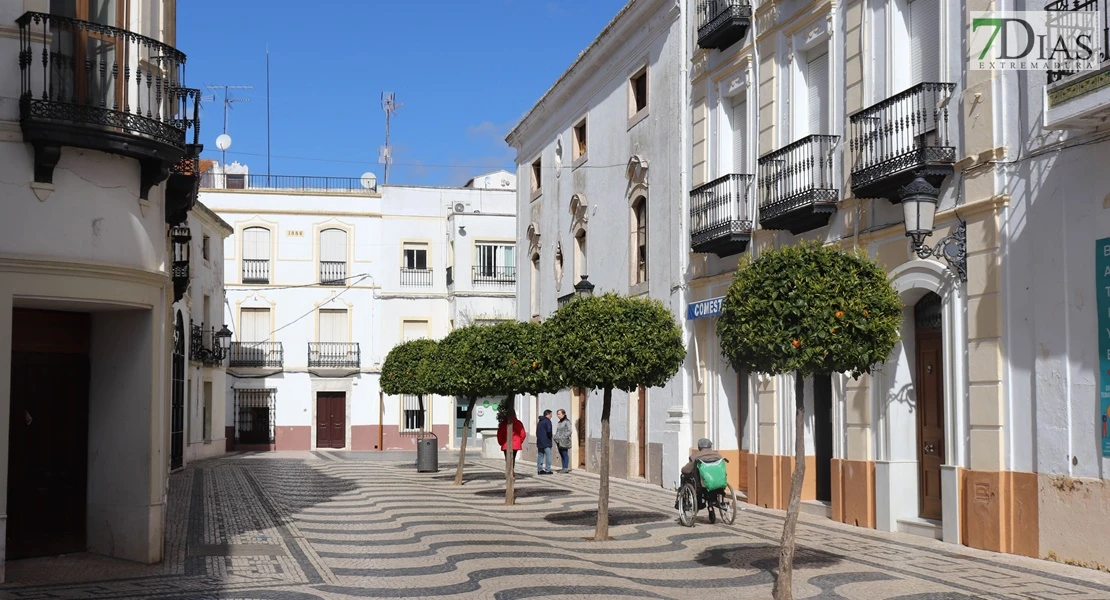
[(764, 557), (524, 492), (617, 516), (480, 476)]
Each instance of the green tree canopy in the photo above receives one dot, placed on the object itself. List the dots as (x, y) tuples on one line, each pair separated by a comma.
[(613, 342), (809, 309), (407, 368)]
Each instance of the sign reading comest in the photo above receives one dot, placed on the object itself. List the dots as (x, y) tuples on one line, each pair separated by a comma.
[(704, 308), (1102, 281)]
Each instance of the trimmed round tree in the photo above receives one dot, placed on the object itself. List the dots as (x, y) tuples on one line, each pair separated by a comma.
[(808, 310), (612, 342), (454, 371), (406, 370)]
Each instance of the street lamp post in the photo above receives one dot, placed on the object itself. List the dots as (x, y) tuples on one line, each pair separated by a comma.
[(584, 289), (223, 336), (919, 203)]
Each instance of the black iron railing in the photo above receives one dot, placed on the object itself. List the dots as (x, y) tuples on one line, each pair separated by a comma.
[(416, 277), (903, 132), (333, 272), (180, 237), (256, 270), (1072, 6), (293, 183), (493, 275), (94, 75), (333, 355), (562, 300), (254, 416), (203, 345), (800, 174), (262, 355), (722, 23), (720, 209)]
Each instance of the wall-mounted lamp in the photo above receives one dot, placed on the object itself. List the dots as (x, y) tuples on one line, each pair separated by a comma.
[(919, 201)]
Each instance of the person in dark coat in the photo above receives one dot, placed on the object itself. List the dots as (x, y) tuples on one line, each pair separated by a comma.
[(543, 444)]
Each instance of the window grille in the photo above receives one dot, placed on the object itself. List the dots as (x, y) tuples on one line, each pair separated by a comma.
[(414, 418), (254, 416)]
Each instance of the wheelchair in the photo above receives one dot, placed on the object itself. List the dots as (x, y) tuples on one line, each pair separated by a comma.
[(707, 489)]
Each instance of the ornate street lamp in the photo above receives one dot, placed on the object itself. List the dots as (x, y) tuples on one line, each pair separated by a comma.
[(919, 203), (584, 289), (223, 336)]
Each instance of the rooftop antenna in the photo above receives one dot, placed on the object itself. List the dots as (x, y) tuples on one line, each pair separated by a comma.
[(267, 112), (385, 153), (224, 141)]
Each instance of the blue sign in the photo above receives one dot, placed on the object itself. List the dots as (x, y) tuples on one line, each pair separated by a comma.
[(1102, 285), (704, 308)]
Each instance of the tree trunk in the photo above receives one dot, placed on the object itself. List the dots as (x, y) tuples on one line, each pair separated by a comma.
[(602, 531), (782, 589), (510, 463), (465, 435)]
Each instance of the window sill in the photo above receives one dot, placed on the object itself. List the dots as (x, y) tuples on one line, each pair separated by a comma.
[(578, 162), (638, 289), (636, 118)]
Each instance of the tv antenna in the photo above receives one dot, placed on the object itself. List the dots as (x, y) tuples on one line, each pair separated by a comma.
[(385, 153), (224, 141)]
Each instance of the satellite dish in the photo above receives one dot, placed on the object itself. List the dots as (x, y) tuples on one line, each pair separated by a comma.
[(459, 207), (223, 141), (369, 180)]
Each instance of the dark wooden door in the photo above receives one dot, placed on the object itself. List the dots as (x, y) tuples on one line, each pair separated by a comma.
[(641, 425), (823, 435), (177, 396), (930, 421), (580, 395), (48, 434), (331, 419)]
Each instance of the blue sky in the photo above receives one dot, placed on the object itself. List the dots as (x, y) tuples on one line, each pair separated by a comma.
[(464, 70)]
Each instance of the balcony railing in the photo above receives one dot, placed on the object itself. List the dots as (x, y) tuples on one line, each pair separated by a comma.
[(722, 23), (333, 272), (260, 355), (493, 275), (203, 346), (900, 136), (721, 216), (562, 300), (89, 85), (416, 277), (256, 271), (180, 238), (292, 183), (1100, 6), (798, 190), (333, 355)]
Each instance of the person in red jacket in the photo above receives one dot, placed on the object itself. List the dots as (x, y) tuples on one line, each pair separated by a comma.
[(519, 433)]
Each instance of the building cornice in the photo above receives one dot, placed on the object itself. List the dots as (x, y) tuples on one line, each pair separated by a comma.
[(42, 265)]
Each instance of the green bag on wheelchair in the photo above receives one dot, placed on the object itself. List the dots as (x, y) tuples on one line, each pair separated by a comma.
[(714, 475)]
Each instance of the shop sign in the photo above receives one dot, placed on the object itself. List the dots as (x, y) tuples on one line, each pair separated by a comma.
[(704, 308)]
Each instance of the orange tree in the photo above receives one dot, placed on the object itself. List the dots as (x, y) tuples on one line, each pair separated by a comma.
[(807, 310), (454, 371), (612, 342), (406, 369)]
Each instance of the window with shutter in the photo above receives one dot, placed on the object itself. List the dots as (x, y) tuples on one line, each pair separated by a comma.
[(924, 40), (740, 134), (817, 79), (254, 325), (333, 326), (256, 243), (333, 245)]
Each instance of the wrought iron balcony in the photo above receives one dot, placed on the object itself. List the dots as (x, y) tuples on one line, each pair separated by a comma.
[(1072, 6), (562, 300), (798, 190), (721, 216), (256, 271), (899, 137), (333, 272), (416, 277), (1079, 101), (180, 237), (258, 355), (88, 85), (722, 23), (333, 355), (493, 275), (203, 346)]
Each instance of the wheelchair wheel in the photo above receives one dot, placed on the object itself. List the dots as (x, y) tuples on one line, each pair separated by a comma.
[(687, 505), (728, 505)]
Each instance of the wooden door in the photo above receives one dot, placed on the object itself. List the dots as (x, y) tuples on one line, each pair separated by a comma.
[(930, 421), (823, 435), (641, 427), (48, 434), (331, 420), (580, 425)]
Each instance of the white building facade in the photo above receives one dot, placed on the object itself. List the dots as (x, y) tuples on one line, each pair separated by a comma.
[(600, 166), (324, 277), (96, 170)]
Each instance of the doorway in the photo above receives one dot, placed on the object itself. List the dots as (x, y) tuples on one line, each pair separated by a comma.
[(331, 419), (929, 388), (823, 435), (641, 428), (48, 433), (742, 437), (177, 396), (580, 425)]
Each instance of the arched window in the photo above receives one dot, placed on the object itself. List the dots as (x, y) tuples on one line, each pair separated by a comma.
[(256, 255), (535, 285), (639, 240), (333, 257), (580, 255)]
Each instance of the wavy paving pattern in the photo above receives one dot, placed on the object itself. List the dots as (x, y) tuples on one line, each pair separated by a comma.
[(335, 525)]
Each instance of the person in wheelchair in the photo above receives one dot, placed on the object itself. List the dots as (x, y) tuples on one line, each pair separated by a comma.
[(705, 453)]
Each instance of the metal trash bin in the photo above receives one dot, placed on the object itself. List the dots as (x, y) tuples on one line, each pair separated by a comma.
[(427, 454)]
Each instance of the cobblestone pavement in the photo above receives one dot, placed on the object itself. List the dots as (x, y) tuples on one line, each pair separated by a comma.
[(332, 525)]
